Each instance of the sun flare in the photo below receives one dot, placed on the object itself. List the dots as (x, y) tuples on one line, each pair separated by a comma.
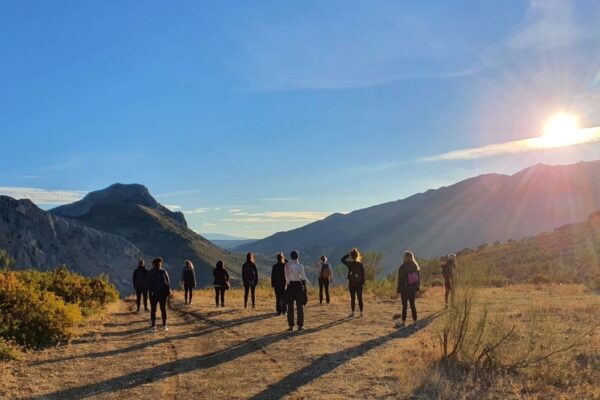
[(560, 130)]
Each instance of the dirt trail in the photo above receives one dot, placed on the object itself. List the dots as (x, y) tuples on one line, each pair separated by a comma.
[(232, 353)]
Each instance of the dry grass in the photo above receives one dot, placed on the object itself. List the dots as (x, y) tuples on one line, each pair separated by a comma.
[(235, 353)]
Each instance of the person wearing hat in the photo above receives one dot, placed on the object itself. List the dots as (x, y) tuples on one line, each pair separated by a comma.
[(448, 274)]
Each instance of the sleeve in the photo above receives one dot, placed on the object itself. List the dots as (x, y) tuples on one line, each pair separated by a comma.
[(133, 278), (345, 260), (303, 274), (273, 276), (214, 273), (226, 276), (362, 273), (194, 277), (167, 279), (255, 273)]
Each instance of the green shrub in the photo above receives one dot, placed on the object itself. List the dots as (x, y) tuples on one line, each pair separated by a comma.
[(32, 317), (8, 351)]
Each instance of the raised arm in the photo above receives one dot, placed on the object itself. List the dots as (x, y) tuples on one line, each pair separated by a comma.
[(345, 260)]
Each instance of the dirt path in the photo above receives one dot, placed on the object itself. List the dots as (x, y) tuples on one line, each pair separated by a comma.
[(232, 353)]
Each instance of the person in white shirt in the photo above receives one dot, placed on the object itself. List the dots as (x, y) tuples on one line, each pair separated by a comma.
[(295, 280)]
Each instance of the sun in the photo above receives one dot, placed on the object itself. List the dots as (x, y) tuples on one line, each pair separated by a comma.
[(560, 130)]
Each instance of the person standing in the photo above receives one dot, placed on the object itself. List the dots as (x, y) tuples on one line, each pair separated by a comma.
[(221, 282), (409, 281), (278, 284), (448, 274), (139, 284), (295, 279), (249, 278), (188, 278), (325, 278), (356, 279), (159, 290)]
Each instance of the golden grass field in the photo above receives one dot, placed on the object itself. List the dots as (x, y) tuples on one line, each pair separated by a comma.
[(232, 353)]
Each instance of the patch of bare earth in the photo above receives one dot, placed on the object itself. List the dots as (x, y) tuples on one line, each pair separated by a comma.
[(233, 353)]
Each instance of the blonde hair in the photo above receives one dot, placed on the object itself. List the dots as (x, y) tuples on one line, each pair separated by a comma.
[(355, 254), (409, 256), (188, 262)]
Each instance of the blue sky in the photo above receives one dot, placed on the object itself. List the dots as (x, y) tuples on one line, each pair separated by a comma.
[(256, 117)]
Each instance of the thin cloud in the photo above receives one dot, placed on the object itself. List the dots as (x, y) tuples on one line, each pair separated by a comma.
[(277, 216), (43, 196), (172, 207), (178, 193), (234, 210), (208, 224), (196, 211), (582, 136)]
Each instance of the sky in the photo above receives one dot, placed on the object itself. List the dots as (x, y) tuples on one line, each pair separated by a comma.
[(258, 117)]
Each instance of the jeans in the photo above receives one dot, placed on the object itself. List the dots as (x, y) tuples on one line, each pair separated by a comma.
[(408, 296), (294, 295), (280, 305), (158, 300), (220, 294), (139, 293), (323, 284), (188, 293), (251, 288), (356, 292)]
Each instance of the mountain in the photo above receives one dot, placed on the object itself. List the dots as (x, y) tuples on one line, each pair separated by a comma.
[(221, 236), (129, 211), (35, 238), (483, 209), (566, 254)]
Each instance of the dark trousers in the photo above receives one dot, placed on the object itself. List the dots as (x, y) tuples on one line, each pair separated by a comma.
[(449, 286), (356, 292), (323, 284), (280, 305), (220, 294), (139, 293), (158, 300), (188, 293), (251, 289), (408, 296), (294, 295)]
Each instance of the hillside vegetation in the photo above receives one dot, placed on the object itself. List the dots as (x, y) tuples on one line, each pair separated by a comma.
[(38, 308)]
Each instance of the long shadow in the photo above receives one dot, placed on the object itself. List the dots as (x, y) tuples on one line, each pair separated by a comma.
[(328, 362), (173, 368), (150, 343)]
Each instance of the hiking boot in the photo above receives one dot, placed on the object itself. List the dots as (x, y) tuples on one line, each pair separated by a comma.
[(400, 324), (300, 328), (351, 315), (165, 328), (291, 329), (153, 329), (146, 310), (362, 314)]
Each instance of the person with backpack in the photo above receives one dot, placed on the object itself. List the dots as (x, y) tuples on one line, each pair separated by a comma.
[(221, 282), (188, 278), (409, 281), (249, 279), (159, 291), (295, 279), (356, 279), (139, 284), (278, 284), (325, 277), (448, 274)]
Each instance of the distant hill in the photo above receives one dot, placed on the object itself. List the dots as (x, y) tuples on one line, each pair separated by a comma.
[(483, 209), (129, 211), (567, 254), (37, 239), (232, 244)]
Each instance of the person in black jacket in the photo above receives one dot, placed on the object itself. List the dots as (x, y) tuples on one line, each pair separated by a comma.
[(188, 278), (325, 278), (221, 282), (278, 284), (408, 286), (139, 284), (249, 278), (356, 278), (159, 290)]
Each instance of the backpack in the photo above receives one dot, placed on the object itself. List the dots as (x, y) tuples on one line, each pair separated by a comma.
[(248, 274), (325, 271), (162, 287), (413, 279)]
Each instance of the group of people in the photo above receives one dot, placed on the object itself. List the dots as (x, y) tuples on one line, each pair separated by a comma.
[(289, 282)]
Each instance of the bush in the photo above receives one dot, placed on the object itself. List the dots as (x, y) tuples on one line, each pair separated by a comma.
[(32, 317), (8, 351)]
